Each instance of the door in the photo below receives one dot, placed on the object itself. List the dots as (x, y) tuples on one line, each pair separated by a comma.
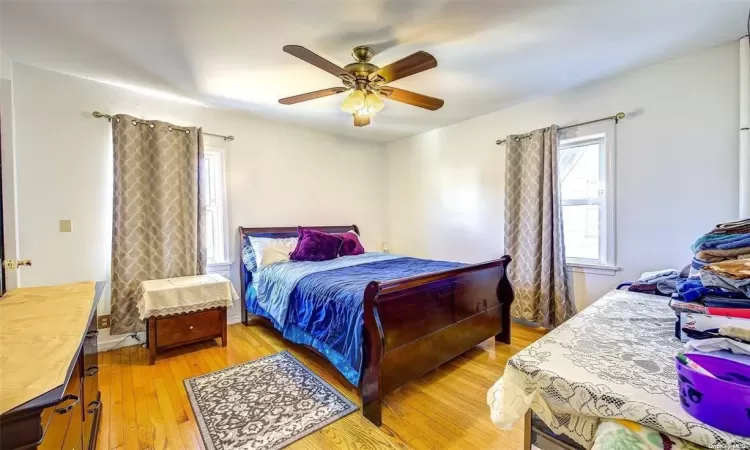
[(2, 236)]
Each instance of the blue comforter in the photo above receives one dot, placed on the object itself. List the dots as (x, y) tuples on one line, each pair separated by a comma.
[(321, 303)]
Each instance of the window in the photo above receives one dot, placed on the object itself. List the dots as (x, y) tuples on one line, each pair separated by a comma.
[(215, 193), (585, 166)]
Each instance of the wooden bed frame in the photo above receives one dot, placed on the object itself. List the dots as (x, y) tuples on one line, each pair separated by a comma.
[(413, 325)]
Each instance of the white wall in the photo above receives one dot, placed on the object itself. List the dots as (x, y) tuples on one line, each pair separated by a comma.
[(278, 175), (676, 168), (6, 66), (744, 125), (7, 121)]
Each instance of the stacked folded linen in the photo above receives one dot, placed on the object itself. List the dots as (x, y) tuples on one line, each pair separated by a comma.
[(727, 241), (718, 286)]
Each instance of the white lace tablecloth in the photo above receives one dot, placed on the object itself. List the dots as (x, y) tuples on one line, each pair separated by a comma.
[(615, 359), (184, 295)]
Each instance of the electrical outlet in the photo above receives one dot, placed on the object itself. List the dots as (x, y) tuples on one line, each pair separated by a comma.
[(66, 226), (102, 322)]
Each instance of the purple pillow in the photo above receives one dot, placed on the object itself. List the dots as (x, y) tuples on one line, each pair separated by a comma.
[(351, 245), (315, 245)]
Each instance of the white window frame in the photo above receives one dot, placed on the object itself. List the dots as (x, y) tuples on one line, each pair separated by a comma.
[(219, 203), (604, 135)]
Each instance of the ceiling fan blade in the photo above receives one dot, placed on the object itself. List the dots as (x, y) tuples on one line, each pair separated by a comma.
[(361, 121), (312, 95), (411, 98), (317, 61), (414, 63)]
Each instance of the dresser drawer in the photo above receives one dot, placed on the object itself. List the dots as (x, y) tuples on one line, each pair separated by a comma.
[(91, 403), (175, 330), (63, 421)]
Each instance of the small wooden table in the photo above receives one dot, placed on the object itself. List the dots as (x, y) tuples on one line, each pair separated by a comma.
[(180, 311)]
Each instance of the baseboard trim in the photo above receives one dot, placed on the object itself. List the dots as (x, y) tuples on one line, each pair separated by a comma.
[(119, 340), (107, 343)]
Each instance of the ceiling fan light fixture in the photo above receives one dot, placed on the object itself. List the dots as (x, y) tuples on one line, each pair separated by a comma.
[(354, 102), (373, 103), (361, 119), (367, 82)]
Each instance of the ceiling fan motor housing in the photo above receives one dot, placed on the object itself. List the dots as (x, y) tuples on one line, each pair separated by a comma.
[(362, 68)]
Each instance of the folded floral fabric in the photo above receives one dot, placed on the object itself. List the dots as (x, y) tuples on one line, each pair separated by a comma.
[(618, 434), (717, 255), (679, 306), (734, 268)]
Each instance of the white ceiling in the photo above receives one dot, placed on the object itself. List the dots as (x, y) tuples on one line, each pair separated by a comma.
[(491, 53)]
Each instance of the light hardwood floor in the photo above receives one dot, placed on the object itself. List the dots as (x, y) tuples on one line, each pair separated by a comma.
[(147, 407)]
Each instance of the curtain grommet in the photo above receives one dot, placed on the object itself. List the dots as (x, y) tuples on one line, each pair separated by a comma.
[(151, 125), (187, 131), (169, 129)]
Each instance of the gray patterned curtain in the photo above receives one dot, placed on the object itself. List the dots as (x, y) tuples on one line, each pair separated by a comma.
[(158, 229), (534, 230)]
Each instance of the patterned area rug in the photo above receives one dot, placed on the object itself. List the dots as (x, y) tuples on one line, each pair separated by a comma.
[(263, 404)]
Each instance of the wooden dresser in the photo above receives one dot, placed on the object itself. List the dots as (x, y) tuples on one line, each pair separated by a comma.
[(66, 417)]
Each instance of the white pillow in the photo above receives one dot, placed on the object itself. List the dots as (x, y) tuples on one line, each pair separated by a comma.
[(275, 252), (260, 244)]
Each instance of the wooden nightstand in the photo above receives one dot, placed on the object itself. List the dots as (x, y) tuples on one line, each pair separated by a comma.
[(184, 310)]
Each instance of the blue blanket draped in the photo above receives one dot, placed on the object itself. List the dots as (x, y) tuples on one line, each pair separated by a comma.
[(325, 307), (277, 281)]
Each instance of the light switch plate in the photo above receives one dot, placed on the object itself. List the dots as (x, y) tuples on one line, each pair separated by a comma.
[(66, 226)]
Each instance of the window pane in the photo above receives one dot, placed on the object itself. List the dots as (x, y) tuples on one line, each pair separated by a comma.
[(210, 237), (215, 213), (581, 229), (579, 170), (210, 180)]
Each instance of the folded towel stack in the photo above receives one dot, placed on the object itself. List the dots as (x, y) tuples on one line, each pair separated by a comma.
[(729, 240), (718, 285)]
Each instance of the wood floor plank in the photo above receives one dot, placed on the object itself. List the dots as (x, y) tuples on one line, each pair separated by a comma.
[(146, 430), (169, 420), (117, 422), (105, 380), (128, 400), (147, 406)]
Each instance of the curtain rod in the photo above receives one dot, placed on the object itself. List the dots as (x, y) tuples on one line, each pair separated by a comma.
[(617, 117), (99, 115)]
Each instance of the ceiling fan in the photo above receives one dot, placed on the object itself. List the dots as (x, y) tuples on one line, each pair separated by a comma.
[(367, 81)]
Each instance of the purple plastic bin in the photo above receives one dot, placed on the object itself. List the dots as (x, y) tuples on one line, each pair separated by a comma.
[(722, 402)]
